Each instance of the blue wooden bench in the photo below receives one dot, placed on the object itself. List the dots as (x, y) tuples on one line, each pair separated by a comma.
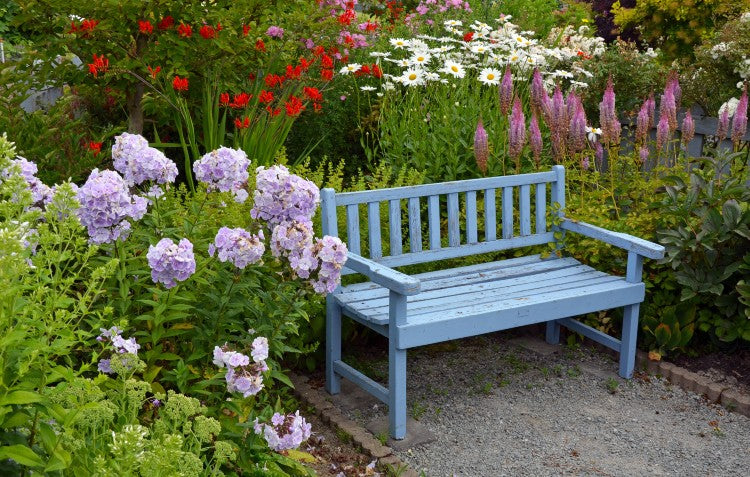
[(471, 300)]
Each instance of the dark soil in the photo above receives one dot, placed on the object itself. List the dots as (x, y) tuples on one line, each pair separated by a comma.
[(731, 368), (335, 457)]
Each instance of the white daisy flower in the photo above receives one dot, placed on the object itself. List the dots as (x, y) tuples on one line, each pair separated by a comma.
[(399, 42), (380, 54), (431, 76), (504, 18), (479, 48), (420, 59), (412, 77), (367, 88), (514, 57), (563, 74), (593, 133), (454, 69), (453, 23), (388, 86), (490, 76), (350, 68), (579, 84)]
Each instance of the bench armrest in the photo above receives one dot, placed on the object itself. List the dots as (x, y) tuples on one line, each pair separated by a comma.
[(382, 275), (618, 239)]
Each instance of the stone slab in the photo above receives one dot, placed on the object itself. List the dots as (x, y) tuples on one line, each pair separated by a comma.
[(536, 345), (416, 433)]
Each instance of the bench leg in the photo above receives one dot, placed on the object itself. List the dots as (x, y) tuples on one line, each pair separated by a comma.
[(553, 332), (333, 344), (396, 390), (629, 336)]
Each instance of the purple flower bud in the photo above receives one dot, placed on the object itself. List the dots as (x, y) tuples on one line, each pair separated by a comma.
[(642, 124), (723, 127), (535, 139), (662, 133), (481, 148), (668, 108), (538, 93), (585, 163), (688, 128), (739, 122), (577, 133), (506, 91), (517, 131)]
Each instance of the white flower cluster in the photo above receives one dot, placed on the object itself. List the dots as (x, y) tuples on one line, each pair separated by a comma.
[(483, 51)]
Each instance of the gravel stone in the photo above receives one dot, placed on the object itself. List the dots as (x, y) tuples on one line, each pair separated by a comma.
[(499, 409)]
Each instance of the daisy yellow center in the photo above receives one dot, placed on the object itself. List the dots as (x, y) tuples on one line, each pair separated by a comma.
[(412, 76), (421, 58), (454, 69), (490, 76)]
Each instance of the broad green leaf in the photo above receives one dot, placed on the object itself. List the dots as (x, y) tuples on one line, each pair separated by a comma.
[(22, 455)]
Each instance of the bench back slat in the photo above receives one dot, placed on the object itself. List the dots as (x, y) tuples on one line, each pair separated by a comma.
[(454, 224)]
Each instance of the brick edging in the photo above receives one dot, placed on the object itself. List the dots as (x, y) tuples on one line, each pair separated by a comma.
[(360, 436), (725, 395)]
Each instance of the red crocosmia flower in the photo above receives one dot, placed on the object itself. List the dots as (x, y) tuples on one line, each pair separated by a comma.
[(305, 64), (145, 27), (88, 26), (166, 23), (369, 26), (317, 107), (73, 27), (293, 72), (294, 106), (345, 59), (245, 30), (180, 84), (99, 65), (318, 50), (95, 147), (363, 70), (326, 61), (272, 111), (273, 80), (326, 75), (251, 76), (376, 71), (207, 32), (468, 36), (219, 27), (154, 72), (260, 46), (185, 31), (265, 97), (313, 93), (224, 99), (347, 17), (243, 124), (241, 100)]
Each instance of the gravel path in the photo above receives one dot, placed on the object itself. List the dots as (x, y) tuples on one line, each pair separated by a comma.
[(499, 405)]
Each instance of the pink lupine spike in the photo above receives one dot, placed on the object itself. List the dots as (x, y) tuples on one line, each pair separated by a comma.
[(599, 155), (506, 91), (651, 105), (723, 127), (688, 129), (642, 124), (668, 108), (573, 101), (538, 93), (673, 83), (577, 131), (535, 140), (662, 133), (481, 148), (558, 113), (739, 122), (517, 131), (608, 115), (643, 154)]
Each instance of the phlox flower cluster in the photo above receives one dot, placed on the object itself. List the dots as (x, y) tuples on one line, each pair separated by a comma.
[(170, 262), (294, 241), (106, 206), (224, 170), (121, 345), (285, 431), (40, 192), (331, 254), (283, 197), (139, 163), (237, 246), (243, 375)]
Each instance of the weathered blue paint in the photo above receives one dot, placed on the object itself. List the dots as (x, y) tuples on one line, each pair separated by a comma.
[(466, 301)]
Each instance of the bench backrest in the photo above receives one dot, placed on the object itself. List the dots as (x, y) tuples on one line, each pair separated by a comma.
[(459, 201)]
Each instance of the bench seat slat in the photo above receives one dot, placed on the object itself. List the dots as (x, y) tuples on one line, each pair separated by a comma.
[(511, 313), (461, 281)]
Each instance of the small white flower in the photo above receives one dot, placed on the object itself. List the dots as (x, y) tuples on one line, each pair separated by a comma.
[(412, 77), (367, 88), (399, 42), (350, 68), (380, 54), (490, 76), (454, 69), (730, 106), (593, 133), (479, 48), (579, 84), (453, 23), (420, 59)]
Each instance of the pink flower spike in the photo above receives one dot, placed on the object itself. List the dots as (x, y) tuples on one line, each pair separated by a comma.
[(535, 139), (723, 127), (517, 131), (739, 122), (506, 91), (481, 148), (688, 129), (662, 133)]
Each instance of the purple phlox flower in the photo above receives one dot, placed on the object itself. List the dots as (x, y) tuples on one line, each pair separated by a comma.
[(275, 32), (104, 366), (688, 128), (283, 197), (40, 192), (608, 116), (668, 108), (662, 133), (260, 349), (109, 333), (171, 262), (506, 91), (139, 163), (285, 431), (238, 246), (218, 356), (106, 204), (723, 126), (577, 133), (331, 255), (224, 170), (739, 121), (642, 124), (122, 345), (155, 403), (481, 148), (535, 139), (517, 131)]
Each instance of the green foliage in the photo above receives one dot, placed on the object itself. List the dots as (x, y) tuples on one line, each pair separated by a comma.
[(677, 27), (541, 16), (709, 242), (672, 329)]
